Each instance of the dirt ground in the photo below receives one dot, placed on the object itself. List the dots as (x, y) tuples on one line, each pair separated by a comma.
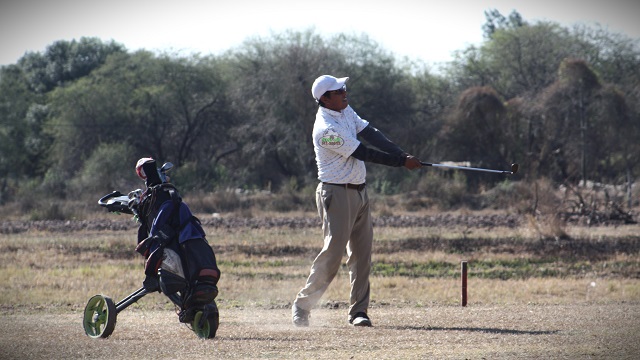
[(587, 331)]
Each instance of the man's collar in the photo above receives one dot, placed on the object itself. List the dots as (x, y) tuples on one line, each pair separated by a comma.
[(331, 112)]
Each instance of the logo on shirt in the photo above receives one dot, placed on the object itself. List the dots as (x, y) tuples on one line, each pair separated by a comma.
[(331, 140)]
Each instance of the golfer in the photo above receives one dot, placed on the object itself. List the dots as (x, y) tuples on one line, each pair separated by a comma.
[(341, 197)]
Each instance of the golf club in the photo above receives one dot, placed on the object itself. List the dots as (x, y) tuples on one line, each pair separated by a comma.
[(514, 168)]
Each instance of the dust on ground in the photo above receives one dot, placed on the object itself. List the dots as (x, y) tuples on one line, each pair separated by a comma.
[(585, 331)]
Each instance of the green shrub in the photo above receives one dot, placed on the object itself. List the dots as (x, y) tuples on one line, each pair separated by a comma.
[(445, 189), (49, 211), (110, 167)]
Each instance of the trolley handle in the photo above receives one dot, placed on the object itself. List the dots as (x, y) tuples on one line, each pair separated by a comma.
[(116, 202)]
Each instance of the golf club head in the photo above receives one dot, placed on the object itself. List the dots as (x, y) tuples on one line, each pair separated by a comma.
[(514, 168), (166, 167), (163, 171)]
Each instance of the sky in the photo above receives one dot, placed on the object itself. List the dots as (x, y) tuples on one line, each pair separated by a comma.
[(424, 30)]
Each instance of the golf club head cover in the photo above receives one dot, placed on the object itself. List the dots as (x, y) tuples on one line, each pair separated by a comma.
[(151, 171)]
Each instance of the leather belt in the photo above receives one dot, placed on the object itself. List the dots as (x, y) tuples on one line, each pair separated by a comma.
[(358, 187)]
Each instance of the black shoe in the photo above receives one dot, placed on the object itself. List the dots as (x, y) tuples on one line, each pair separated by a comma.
[(360, 319)]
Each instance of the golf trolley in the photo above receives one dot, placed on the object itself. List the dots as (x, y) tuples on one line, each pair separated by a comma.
[(101, 312)]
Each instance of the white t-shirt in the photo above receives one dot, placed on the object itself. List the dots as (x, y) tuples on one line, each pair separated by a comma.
[(334, 140)]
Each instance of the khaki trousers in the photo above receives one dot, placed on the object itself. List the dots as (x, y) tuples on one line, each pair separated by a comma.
[(346, 224)]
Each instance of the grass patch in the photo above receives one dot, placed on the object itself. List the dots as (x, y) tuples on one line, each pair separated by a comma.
[(267, 267), (430, 269), (509, 269)]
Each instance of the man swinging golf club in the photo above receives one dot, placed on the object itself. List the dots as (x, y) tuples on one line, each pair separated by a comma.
[(342, 199)]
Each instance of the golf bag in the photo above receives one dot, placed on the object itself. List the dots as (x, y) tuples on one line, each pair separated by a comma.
[(178, 257), (179, 261)]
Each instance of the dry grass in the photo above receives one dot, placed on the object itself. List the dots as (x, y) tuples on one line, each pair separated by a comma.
[(47, 279)]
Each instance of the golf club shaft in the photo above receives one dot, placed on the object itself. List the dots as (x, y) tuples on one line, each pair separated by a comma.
[(467, 168)]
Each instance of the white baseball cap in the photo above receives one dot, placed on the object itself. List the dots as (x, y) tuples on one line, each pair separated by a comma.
[(326, 83)]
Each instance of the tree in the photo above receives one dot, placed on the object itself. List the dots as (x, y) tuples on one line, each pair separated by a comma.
[(14, 103), (90, 111), (270, 85), (65, 61), (475, 129), (245, 117), (171, 109), (517, 60), (107, 169), (583, 127), (23, 101), (182, 107), (271, 89), (521, 61), (496, 21)]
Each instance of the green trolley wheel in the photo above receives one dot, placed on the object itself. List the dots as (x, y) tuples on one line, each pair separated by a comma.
[(99, 317), (209, 325)]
